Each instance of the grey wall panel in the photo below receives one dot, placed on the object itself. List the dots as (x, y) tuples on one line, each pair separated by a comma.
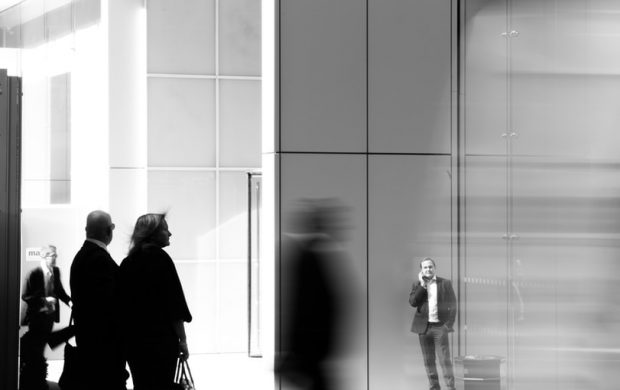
[(409, 73), (342, 177), (409, 219), (323, 75)]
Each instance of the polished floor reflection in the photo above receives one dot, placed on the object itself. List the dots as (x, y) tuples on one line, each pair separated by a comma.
[(212, 371)]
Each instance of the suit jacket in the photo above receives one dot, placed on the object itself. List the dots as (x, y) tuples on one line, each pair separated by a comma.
[(446, 305), (34, 293), (93, 287), (93, 284)]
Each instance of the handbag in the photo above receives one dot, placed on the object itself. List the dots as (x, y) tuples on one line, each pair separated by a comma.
[(63, 335), (69, 379), (183, 379)]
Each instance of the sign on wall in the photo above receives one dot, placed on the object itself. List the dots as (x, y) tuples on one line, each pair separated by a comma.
[(33, 254)]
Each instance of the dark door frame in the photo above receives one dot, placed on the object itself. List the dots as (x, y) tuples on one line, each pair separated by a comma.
[(10, 228)]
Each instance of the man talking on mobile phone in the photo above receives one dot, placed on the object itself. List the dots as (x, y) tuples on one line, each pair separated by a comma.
[(435, 303)]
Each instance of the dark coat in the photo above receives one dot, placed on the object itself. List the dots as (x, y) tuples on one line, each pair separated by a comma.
[(446, 305), (93, 285), (151, 296), (34, 293)]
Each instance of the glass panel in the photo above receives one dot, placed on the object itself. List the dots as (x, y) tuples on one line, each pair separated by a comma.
[(10, 22), (87, 12), (565, 212), (181, 36), (233, 308), (240, 123), (410, 218), (181, 122), (33, 25), (240, 37), (60, 138), (486, 81), (199, 282), (233, 215), (189, 199), (563, 78), (59, 21), (35, 141), (485, 270)]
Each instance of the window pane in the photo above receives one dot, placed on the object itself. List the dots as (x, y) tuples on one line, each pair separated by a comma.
[(189, 199), (199, 286), (181, 36), (240, 129), (60, 139), (181, 122), (233, 308), (233, 215), (240, 37)]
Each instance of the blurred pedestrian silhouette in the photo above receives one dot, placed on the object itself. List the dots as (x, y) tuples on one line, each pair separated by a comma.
[(95, 311), (42, 293), (314, 302), (154, 306)]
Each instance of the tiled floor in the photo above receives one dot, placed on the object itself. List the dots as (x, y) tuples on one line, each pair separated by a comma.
[(213, 372)]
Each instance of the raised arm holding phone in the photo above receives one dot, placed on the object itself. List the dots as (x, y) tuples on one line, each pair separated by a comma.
[(435, 303)]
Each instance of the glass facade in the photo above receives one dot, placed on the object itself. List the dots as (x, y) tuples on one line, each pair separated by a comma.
[(541, 191)]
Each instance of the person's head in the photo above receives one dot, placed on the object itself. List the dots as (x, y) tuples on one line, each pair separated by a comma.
[(327, 216), (99, 226), (427, 266), (48, 253), (150, 229)]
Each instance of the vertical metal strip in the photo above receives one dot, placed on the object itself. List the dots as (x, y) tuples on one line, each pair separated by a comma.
[(249, 177), (10, 209), (14, 259)]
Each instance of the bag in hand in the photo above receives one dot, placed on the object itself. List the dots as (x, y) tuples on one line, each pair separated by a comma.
[(183, 379), (69, 379)]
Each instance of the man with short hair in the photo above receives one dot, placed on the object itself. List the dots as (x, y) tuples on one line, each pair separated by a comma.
[(93, 286), (435, 303), (42, 293)]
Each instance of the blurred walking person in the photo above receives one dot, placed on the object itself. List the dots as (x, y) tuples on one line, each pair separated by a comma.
[(319, 296), (42, 293)]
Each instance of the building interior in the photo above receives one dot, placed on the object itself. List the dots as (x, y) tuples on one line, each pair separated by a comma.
[(481, 133)]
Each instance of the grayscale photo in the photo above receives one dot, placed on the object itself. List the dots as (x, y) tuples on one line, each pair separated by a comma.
[(309, 194)]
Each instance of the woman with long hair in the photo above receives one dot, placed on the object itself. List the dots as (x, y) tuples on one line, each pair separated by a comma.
[(153, 306)]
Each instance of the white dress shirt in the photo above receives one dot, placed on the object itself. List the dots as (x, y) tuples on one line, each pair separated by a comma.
[(433, 311)]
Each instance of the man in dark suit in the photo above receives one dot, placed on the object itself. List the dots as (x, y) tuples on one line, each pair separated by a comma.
[(42, 292), (435, 303), (93, 286)]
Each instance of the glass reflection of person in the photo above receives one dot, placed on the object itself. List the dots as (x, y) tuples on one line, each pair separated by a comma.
[(319, 299), (435, 303), (153, 306), (42, 292)]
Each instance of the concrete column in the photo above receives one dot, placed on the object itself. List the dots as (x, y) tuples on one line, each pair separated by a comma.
[(126, 23)]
